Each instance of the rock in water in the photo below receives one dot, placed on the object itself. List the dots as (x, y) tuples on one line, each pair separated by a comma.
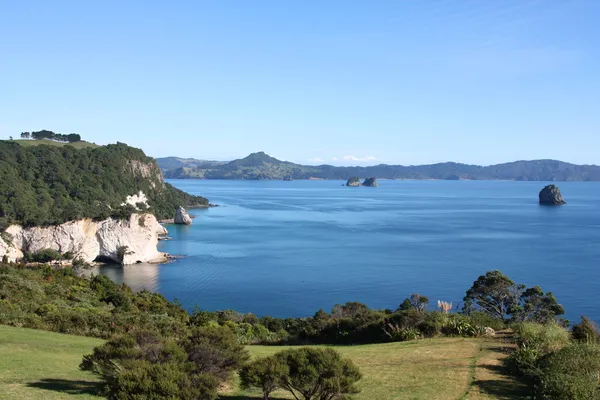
[(354, 181), (372, 182), (182, 217), (550, 195)]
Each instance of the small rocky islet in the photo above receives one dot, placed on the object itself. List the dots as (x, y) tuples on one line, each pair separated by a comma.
[(550, 195), (355, 181)]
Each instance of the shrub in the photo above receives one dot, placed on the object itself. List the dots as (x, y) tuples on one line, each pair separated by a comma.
[(570, 373), (265, 373), (586, 331), (42, 256), (215, 351), (318, 373), (533, 342)]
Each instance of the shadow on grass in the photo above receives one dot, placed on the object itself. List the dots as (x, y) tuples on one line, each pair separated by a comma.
[(67, 386), (503, 390)]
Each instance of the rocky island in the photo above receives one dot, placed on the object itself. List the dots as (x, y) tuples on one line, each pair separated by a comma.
[(354, 182), (182, 217), (370, 182), (551, 196)]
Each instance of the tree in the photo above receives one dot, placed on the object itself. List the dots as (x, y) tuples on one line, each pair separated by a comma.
[(495, 294), (319, 374), (416, 302), (405, 306), (10, 138), (264, 373), (25, 135), (537, 306)]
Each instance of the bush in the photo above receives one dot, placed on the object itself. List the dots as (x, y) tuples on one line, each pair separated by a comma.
[(533, 342), (43, 256), (145, 365), (318, 373), (570, 373), (265, 373), (586, 331)]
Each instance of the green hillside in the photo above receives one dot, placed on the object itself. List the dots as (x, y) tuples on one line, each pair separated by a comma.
[(47, 185), (44, 365), (78, 145)]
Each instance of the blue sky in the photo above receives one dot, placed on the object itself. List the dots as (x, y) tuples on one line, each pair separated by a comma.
[(339, 82)]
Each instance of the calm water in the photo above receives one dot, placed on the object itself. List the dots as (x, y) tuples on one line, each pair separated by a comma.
[(290, 248)]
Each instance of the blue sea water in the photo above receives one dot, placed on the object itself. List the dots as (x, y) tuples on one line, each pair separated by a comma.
[(290, 248)]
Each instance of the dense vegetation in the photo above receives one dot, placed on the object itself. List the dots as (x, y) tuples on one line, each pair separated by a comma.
[(46, 185), (46, 134), (262, 166), (157, 350)]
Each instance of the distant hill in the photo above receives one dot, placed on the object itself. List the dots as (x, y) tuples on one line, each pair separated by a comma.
[(167, 163), (262, 166)]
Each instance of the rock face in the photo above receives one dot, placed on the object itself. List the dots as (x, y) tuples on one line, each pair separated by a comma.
[(182, 217), (550, 195), (121, 241), (354, 181), (372, 182)]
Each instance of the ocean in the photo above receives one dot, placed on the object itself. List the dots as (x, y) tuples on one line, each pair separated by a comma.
[(287, 249)]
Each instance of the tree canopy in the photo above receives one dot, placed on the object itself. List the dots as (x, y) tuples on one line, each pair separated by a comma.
[(47, 185)]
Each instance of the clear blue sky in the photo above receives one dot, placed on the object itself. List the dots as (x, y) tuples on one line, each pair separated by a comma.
[(342, 82)]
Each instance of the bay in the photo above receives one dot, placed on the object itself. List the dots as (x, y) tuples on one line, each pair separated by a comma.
[(287, 249)]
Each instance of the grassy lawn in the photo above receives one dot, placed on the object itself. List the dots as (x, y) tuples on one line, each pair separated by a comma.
[(78, 145), (44, 365), (445, 368)]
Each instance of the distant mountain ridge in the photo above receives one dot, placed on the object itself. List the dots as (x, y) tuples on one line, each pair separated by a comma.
[(262, 166)]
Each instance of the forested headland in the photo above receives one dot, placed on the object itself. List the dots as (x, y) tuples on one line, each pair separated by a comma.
[(48, 185)]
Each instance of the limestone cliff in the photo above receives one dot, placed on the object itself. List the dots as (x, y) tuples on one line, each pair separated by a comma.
[(127, 241)]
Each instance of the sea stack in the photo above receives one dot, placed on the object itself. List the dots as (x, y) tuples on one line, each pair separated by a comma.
[(182, 217), (551, 196), (371, 182), (354, 181)]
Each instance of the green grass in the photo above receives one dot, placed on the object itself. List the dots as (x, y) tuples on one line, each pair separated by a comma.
[(78, 145), (445, 368), (44, 365)]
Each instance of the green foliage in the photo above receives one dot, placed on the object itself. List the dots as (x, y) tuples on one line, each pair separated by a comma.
[(320, 374), (44, 256), (59, 300), (497, 295), (145, 365), (586, 331), (535, 341), (265, 373), (46, 185), (570, 373), (215, 350)]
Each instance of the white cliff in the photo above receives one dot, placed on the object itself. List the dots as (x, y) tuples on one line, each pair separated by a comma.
[(122, 241)]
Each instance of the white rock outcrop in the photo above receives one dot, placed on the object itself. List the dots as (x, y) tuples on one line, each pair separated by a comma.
[(182, 217), (122, 241), (136, 199)]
